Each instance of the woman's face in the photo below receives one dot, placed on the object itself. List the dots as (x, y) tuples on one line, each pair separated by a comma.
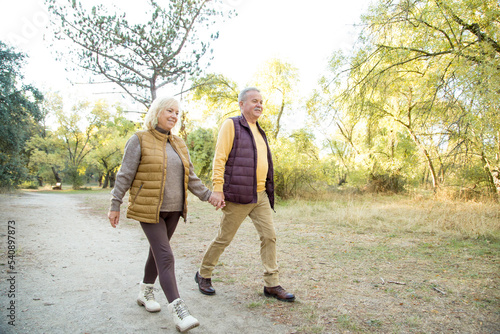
[(167, 118)]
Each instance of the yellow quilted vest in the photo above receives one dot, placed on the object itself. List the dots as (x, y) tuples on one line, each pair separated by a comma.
[(146, 192)]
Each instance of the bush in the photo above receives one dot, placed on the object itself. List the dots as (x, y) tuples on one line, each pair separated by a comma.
[(384, 183), (74, 177), (28, 185)]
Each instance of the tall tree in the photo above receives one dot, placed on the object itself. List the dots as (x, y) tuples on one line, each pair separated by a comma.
[(19, 109), (432, 67), (217, 95), (46, 157), (277, 79), (138, 57), (77, 129), (201, 144), (297, 164), (45, 148), (108, 144)]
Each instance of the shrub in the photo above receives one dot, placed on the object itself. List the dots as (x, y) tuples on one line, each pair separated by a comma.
[(384, 183)]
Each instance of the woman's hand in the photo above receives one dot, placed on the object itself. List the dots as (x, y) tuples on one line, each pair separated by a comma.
[(114, 217), (217, 199)]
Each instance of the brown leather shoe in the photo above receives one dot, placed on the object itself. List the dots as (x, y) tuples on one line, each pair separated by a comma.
[(279, 293), (204, 284)]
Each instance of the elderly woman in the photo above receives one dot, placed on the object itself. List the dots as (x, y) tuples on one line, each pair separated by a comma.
[(157, 169)]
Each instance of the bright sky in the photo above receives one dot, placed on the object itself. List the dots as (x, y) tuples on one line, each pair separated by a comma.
[(303, 33)]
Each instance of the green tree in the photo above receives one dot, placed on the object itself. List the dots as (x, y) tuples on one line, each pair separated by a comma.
[(45, 149), (277, 80), (432, 68), (19, 111), (108, 144), (46, 157), (201, 145), (77, 129), (138, 57), (217, 96), (297, 166)]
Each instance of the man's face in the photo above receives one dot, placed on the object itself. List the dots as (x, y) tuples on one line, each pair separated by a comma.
[(252, 107)]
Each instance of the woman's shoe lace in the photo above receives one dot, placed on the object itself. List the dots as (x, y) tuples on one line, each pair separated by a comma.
[(181, 310), (148, 293)]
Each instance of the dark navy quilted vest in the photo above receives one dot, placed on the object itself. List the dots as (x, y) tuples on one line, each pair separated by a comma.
[(240, 181)]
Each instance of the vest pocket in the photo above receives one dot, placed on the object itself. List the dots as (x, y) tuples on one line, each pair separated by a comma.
[(138, 192)]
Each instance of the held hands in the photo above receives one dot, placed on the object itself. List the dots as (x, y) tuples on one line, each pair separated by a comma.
[(217, 200), (114, 217)]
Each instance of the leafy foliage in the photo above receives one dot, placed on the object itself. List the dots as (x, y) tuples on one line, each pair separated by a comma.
[(297, 165), (201, 145), (277, 80), (108, 145), (217, 95), (424, 70), (19, 111), (46, 157)]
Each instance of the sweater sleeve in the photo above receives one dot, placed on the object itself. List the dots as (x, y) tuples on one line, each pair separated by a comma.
[(126, 174), (224, 145), (196, 186)]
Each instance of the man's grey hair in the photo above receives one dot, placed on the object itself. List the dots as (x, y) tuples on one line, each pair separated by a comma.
[(243, 94)]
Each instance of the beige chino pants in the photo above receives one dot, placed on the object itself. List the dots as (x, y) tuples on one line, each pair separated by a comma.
[(233, 215)]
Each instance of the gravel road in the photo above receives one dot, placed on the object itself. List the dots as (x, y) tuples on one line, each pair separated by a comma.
[(73, 273)]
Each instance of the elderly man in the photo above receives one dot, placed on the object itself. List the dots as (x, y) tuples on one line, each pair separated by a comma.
[(243, 186)]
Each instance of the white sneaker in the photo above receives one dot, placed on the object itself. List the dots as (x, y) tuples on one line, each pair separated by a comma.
[(147, 299), (182, 319)]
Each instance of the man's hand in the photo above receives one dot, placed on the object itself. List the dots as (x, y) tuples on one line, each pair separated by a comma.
[(217, 200)]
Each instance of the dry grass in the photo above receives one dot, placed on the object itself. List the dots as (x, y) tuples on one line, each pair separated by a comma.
[(344, 256)]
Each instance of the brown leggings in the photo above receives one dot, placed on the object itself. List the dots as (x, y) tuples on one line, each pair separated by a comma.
[(160, 260)]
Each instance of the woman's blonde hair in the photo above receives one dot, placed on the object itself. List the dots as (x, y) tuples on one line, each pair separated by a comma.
[(158, 105)]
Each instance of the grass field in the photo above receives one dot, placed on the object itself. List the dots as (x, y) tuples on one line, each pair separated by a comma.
[(361, 263)]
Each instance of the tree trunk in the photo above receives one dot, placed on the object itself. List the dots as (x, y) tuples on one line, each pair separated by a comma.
[(277, 130), (112, 178), (56, 175), (106, 180), (426, 154), (493, 176)]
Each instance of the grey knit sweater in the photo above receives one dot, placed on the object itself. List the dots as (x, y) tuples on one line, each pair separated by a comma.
[(173, 198)]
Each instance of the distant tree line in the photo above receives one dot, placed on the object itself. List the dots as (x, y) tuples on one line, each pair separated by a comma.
[(415, 105)]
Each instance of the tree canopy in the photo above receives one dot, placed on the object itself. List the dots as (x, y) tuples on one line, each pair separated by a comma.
[(424, 70), (139, 57), (19, 112)]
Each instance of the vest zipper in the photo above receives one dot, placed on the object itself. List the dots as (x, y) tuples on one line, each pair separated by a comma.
[(163, 175), (138, 192), (184, 204)]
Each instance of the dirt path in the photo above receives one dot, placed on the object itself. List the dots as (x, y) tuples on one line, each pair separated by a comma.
[(73, 273)]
